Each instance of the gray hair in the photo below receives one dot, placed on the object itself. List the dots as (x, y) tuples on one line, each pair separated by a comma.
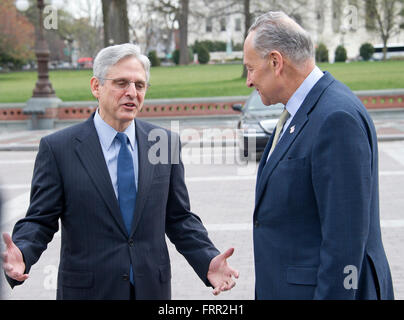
[(110, 56), (277, 31)]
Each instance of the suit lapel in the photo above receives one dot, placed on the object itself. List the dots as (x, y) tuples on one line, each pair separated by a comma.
[(91, 156), (146, 170), (299, 121), (283, 145), (263, 160)]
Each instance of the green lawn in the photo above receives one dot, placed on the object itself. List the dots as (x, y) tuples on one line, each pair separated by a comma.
[(198, 81)]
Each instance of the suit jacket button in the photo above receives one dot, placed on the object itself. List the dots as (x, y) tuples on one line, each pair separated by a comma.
[(125, 277), (256, 224), (131, 242)]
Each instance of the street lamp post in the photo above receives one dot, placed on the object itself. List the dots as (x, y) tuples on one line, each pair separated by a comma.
[(43, 87), (44, 103)]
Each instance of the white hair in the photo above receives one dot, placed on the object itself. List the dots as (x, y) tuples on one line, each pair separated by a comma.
[(275, 30), (110, 56)]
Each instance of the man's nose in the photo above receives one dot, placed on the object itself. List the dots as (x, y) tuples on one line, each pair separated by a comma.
[(131, 90), (249, 83)]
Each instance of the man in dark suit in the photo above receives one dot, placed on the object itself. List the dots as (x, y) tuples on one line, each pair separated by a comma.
[(116, 199), (316, 219), (1, 282)]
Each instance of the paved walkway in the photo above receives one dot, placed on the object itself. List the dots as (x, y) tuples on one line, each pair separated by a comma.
[(225, 210)]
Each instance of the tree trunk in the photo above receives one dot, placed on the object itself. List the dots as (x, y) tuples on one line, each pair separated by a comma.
[(116, 23), (247, 25), (385, 48), (386, 13), (183, 25)]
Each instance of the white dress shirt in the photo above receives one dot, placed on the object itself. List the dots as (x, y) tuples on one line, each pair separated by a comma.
[(111, 146), (297, 99)]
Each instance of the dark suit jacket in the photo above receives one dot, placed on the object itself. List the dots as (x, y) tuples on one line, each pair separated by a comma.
[(317, 204), (1, 280), (71, 183)]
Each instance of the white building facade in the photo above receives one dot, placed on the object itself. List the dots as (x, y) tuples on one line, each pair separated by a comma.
[(332, 22)]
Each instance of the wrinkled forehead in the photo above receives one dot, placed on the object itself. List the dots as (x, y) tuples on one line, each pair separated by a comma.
[(246, 48), (128, 67), (251, 55)]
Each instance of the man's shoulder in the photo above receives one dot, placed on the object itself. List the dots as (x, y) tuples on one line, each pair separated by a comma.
[(68, 132), (339, 102), (148, 127), (339, 97)]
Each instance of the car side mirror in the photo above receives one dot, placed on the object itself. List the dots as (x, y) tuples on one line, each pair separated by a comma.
[(237, 107)]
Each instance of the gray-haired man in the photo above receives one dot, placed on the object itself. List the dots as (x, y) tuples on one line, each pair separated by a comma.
[(316, 218), (114, 204)]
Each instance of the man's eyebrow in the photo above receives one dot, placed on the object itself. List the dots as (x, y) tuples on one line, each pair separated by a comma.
[(126, 79)]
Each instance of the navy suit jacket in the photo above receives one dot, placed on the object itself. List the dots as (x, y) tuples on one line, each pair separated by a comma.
[(71, 182), (316, 219)]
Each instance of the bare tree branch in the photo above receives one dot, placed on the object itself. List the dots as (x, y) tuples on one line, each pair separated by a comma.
[(386, 13)]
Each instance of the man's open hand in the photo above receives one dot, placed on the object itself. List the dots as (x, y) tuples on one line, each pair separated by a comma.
[(13, 262), (220, 273)]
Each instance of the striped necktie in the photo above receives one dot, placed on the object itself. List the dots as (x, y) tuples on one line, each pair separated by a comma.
[(279, 127)]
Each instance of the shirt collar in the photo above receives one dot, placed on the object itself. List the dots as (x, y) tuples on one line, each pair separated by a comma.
[(301, 93), (107, 134)]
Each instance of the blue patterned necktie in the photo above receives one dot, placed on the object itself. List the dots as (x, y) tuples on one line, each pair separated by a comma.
[(126, 185), (126, 182)]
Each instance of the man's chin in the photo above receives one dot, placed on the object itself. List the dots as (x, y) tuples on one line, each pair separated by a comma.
[(263, 99), (266, 101), (129, 113)]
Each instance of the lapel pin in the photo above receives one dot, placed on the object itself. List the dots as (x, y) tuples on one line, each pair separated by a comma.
[(292, 130)]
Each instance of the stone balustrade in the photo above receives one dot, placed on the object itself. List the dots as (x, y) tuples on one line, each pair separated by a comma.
[(190, 107)]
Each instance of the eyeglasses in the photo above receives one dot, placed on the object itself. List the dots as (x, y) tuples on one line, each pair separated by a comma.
[(123, 84)]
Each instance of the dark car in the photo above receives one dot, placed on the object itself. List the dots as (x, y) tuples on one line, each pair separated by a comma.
[(257, 122)]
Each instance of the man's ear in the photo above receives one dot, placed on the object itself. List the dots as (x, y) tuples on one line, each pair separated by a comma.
[(276, 61), (95, 87)]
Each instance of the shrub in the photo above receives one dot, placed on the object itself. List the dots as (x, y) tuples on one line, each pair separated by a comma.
[(211, 46), (203, 55), (366, 51), (238, 47), (176, 56), (154, 60), (340, 54), (322, 53)]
